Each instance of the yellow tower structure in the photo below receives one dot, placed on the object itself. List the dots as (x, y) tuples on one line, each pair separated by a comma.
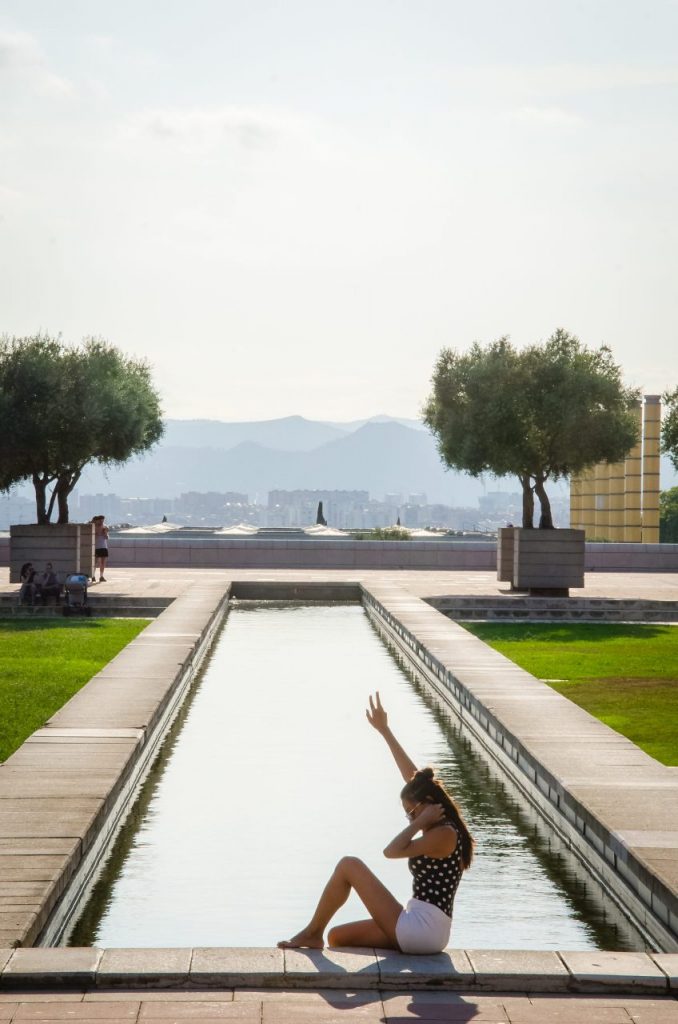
[(633, 492), (586, 496), (576, 485), (616, 495), (601, 485), (651, 432), (619, 501)]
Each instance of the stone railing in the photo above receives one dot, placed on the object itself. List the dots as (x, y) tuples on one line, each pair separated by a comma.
[(273, 553)]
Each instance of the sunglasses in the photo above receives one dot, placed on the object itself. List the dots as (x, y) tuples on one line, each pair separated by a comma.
[(411, 815)]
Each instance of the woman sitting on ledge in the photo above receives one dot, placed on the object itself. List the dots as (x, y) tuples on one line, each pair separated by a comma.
[(436, 860)]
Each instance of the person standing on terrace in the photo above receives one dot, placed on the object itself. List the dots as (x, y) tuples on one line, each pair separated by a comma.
[(438, 847), (100, 547)]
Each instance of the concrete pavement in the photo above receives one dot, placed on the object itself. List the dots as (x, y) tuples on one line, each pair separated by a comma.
[(252, 1006)]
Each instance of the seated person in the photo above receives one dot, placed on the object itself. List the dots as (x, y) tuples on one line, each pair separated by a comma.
[(28, 584), (48, 584)]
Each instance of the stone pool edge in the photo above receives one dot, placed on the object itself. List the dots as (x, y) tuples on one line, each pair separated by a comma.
[(65, 791), (201, 969), (495, 700), (85, 727)]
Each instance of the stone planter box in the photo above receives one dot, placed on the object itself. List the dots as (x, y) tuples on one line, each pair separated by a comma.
[(69, 547), (505, 554), (549, 561)]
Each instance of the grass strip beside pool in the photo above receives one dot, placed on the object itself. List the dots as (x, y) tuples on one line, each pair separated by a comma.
[(626, 676), (44, 662)]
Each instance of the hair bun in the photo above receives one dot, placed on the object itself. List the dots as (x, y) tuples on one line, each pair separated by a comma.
[(424, 775)]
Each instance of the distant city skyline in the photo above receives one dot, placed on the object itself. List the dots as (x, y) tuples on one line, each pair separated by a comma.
[(292, 208), (381, 458), (343, 510)]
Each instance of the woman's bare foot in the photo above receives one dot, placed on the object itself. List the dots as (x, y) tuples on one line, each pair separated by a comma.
[(303, 940)]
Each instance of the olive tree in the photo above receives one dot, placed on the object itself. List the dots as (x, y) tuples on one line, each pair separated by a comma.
[(670, 426), (539, 413), (668, 516), (63, 407)]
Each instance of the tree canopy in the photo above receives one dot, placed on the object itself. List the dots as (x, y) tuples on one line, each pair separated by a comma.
[(63, 407), (670, 426), (668, 516), (539, 413)]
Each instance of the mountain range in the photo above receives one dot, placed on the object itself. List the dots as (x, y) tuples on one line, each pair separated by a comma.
[(290, 433), (381, 455)]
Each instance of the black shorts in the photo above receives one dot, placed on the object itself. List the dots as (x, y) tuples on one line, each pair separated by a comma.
[(101, 552)]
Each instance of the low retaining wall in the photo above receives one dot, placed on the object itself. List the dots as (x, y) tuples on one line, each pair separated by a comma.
[(514, 607), (69, 547), (611, 803), (251, 553)]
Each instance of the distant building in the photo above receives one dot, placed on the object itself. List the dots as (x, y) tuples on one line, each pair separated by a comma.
[(109, 505), (195, 502), (299, 507), (293, 509), (15, 508)]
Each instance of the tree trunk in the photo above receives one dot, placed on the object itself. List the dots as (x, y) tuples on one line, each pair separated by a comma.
[(50, 507), (62, 501), (528, 502), (545, 519), (64, 486), (40, 486)]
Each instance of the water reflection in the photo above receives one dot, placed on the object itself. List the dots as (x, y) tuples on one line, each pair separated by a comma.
[(272, 773)]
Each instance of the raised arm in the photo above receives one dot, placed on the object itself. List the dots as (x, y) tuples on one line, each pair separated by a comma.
[(378, 719)]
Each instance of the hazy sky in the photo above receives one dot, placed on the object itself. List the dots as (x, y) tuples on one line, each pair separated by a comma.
[(291, 207)]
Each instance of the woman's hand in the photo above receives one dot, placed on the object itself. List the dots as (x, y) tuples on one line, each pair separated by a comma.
[(431, 814), (378, 719), (376, 715), (433, 842)]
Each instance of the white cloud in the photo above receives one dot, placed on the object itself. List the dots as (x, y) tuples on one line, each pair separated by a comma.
[(550, 84), (548, 117), (576, 78), (9, 196), (22, 60), (209, 129)]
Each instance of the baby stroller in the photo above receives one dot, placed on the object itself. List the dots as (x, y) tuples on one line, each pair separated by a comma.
[(75, 595)]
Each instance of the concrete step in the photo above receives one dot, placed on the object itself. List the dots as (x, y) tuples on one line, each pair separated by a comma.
[(512, 607), (591, 972), (110, 600), (99, 610)]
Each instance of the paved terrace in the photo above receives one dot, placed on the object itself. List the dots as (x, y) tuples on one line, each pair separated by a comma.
[(251, 1006), (268, 986), (169, 582), (46, 830)]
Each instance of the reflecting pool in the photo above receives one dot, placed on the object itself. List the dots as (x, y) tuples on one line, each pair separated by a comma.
[(272, 773)]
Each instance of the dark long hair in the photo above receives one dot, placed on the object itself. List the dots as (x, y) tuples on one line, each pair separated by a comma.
[(424, 787)]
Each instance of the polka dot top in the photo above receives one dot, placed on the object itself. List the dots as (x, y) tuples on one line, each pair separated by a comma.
[(435, 879)]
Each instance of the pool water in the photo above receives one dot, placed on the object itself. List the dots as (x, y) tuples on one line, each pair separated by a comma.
[(272, 773)]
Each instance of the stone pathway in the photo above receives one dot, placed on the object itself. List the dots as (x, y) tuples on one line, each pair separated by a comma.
[(330, 1007)]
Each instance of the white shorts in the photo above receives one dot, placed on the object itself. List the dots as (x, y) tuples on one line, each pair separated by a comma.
[(422, 928)]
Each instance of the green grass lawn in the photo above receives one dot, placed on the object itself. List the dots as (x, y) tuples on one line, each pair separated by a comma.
[(627, 676), (43, 662)]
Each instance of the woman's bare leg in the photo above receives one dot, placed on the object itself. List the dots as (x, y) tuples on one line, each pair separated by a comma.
[(350, 873), (360, 933)]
